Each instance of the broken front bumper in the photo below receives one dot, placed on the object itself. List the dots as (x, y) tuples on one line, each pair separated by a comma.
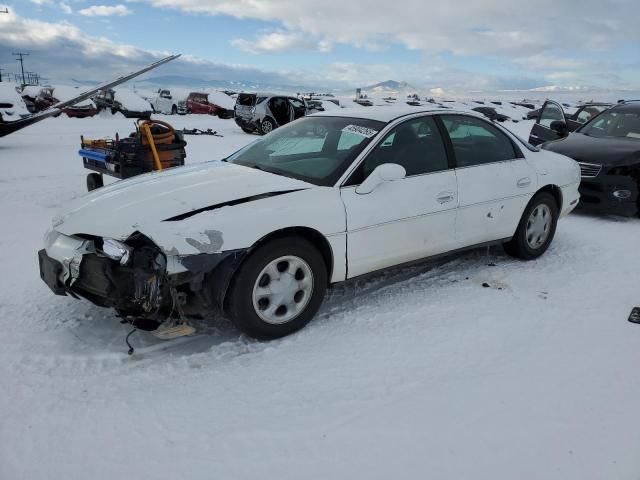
[(77, 266), (50, 272), (151, 284)]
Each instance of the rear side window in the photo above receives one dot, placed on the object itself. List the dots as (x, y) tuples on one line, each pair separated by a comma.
[(246, 100), (476, 142)]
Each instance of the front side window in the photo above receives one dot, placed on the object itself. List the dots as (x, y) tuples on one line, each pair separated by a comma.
[(551, 113), (614, 124), (297, 104), (476, 142), (415, 144), (588, 113), (314, 149)]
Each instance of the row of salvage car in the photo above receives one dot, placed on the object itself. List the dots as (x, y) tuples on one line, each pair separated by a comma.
[(21, 102)]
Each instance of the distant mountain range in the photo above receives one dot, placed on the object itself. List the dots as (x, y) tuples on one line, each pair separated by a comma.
[(390, 86), (193, 83)]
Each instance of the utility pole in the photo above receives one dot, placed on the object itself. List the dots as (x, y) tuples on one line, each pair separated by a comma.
[(20, 56)]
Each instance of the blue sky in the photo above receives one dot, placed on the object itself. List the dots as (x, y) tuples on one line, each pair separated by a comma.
[(465, 46)]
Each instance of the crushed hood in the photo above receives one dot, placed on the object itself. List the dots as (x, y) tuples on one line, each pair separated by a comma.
[(604, 151), (126, 206)]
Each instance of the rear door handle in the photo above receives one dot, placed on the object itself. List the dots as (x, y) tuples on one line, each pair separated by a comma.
[(524, 182), (444, 197)]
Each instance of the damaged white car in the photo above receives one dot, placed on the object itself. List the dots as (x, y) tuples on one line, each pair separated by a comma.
[(260, 235)]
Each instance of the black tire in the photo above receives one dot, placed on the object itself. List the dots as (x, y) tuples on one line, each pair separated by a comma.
[(240, 301), (520, 246), (94, 180), (174, 110), (267, 126)]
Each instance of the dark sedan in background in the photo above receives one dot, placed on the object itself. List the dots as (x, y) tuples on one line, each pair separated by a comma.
[(607, 149)]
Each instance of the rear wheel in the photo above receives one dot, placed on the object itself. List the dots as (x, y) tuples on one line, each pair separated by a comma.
[(174, 110), (267, 126), (278, 289), (536, 228), (94, 180)]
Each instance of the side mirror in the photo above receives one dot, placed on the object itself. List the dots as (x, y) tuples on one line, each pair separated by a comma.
[(387, 172), (559, 127)]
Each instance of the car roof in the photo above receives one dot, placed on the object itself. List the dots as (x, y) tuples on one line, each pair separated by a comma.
[(267, 94), (385, 114), (628, 107)]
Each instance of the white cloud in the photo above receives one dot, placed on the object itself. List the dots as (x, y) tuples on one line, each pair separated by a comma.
[(279, 42), (463, 27), (66, 8), (543, 61), (105, 11), (61, 52)]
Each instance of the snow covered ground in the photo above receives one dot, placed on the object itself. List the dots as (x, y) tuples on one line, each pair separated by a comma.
[(419, 372)]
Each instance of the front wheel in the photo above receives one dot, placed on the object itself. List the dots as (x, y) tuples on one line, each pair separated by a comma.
[(278, 289), (536, 229)]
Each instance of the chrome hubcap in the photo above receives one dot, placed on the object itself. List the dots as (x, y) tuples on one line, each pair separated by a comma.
[(283, 289), (266, 126), (539, 226)]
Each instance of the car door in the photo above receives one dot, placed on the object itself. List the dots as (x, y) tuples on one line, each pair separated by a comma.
[(280, 110), (407, 219), (495, 182), (298, 108), (551, 124)]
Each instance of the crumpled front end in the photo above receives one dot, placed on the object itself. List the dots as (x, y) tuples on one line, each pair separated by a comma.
[(135, 277), (129, 276)]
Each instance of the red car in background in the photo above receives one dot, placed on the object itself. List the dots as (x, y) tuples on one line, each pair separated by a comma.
[(199, 103)]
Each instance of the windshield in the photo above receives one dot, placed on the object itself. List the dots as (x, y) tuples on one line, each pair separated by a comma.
[(614, 124), (315, 149)]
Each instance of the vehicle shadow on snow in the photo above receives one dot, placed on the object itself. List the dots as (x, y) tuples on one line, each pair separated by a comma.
[(99, 332)]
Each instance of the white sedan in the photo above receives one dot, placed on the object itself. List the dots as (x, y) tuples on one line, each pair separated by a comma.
[(261, 234)]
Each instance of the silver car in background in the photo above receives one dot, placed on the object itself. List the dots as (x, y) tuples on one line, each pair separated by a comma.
[(264, 112)]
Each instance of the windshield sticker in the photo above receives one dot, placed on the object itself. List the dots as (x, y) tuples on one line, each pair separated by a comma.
[(358, 130)]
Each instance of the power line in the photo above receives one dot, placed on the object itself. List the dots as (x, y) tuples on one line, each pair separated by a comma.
[(20, 56)]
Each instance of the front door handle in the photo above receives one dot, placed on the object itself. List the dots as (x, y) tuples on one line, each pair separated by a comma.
[(444, 197), (524, 182)]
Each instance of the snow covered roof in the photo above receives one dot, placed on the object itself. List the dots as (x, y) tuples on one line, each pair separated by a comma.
[(66, 92), (8, 94), (131, 100), (221, 99)]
